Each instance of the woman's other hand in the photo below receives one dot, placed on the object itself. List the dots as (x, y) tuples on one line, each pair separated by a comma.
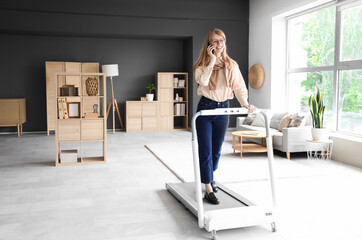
[(251, 108)]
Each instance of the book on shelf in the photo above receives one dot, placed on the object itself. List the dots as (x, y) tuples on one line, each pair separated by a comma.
[(177, 109), (183, 109)]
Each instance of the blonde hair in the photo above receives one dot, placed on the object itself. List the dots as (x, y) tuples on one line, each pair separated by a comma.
[(204, 58)]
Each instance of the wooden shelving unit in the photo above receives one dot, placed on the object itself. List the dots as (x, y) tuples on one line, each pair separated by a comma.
[(53, 67), (166, 94), (77, 131)]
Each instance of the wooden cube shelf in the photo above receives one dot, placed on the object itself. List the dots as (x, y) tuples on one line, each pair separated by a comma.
[(75, 119)]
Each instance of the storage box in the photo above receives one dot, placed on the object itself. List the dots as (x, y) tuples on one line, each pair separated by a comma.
[(90, 115), (68, 91), (68, 156)]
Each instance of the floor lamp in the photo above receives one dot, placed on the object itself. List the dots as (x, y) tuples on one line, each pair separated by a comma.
[(111, 70)]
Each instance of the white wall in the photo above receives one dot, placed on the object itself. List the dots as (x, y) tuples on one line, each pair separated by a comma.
[(347, 150), (267, 41), (267, 45)]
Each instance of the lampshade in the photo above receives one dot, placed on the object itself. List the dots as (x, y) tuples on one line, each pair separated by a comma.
[(110, 70)]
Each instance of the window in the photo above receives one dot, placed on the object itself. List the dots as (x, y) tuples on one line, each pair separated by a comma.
[(325, 48)]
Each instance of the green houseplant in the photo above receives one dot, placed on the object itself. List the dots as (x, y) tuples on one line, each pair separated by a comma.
[(150, 95), (317, 107)]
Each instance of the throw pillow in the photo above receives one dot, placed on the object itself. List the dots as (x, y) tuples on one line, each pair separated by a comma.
[(285, 122), (259, 120), (250, 119), (297, 121), (275, 120)]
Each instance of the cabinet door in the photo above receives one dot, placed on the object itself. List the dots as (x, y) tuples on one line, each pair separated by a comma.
[(149, 124), (165, 95), (149, 109), (165, 109), (165, 80), (133, 109), (92, 129), (69, 130), (134, 124), (165, 123), (133, 116), (9, 112)]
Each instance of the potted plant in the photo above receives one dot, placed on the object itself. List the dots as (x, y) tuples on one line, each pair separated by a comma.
[(150, 95), (316, 106)]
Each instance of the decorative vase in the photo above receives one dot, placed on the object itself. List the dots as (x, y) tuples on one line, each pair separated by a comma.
[(91, 86), (149, 97), (319, 134)]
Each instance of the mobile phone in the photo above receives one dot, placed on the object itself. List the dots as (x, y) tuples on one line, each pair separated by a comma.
[(212, 49)]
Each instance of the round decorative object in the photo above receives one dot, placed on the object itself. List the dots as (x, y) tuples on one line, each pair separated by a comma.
[(91, 86), (256, 76)]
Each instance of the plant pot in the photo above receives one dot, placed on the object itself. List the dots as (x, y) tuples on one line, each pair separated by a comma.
[(149, 97), (319, 134)]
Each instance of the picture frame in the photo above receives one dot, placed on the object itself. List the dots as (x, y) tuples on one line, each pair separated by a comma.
[(73, 109), (181, 83)]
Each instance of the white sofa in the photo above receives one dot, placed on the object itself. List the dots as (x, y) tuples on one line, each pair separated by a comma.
[(289, 140)]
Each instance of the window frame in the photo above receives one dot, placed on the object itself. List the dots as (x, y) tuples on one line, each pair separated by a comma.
[(338, 65)]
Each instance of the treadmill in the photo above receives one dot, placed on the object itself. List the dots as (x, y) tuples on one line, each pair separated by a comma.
[(234, 211)]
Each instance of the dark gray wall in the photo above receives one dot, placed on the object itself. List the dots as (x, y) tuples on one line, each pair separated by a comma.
[(143, 37)]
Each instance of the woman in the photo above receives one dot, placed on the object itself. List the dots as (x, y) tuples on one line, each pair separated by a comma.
[(218, 76)]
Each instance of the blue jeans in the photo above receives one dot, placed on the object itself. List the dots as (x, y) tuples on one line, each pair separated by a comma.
[(210, 135)]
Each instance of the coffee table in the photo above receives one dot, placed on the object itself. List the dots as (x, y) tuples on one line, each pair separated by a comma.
[(248, 147)]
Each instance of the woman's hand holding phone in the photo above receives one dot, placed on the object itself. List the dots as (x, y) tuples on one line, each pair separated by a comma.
[(210, 51)]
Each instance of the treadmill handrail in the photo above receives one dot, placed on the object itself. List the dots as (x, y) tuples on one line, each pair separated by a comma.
[(226, 111)]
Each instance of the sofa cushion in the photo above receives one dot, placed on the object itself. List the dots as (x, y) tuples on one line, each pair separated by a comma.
[(284, 123), (259, 120), (298, 120), (275, 120), (249, 119)]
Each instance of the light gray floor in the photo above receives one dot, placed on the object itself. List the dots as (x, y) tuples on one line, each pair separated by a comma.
[(126, 198)]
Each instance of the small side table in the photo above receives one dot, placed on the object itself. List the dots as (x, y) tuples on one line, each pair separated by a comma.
[(248, 147), (320, 149)]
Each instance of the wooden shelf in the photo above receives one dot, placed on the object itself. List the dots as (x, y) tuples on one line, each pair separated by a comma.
[(70, 70), (166, 93), (250, 147), (81, 130), (91, 160)]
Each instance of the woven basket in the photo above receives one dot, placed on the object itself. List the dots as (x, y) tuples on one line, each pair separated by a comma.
[(91, 86), (256, 76)]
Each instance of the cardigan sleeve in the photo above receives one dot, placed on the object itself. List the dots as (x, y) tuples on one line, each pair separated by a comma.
[(203, 74), (239, 87)]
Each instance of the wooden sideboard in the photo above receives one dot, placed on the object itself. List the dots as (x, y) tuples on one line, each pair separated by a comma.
[(141, 116), (161, 115), (13, 113)]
